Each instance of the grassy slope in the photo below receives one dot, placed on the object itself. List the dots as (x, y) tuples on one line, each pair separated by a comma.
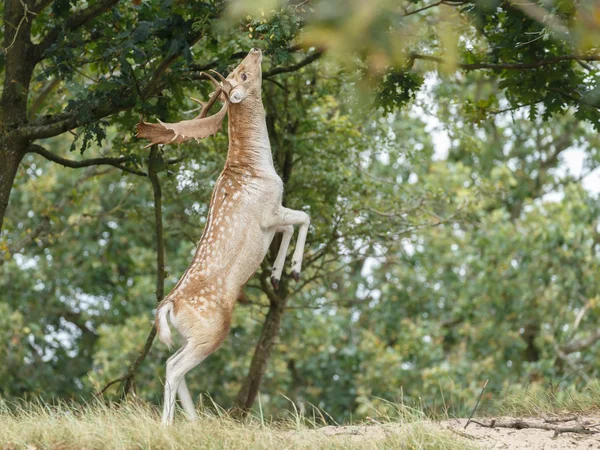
[(131, 425), (138, 426)]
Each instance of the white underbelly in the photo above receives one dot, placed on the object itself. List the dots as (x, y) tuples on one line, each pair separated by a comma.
[(249, 256)]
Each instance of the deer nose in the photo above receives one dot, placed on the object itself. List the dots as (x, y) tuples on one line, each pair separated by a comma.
[(255, 50)]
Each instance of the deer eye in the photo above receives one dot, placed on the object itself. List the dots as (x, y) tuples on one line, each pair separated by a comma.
[(244, 77)]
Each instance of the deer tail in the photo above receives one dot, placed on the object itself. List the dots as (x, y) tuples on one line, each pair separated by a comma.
[(162, 324)]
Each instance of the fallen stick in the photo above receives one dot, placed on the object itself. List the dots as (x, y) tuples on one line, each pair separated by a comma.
[(518, 424)]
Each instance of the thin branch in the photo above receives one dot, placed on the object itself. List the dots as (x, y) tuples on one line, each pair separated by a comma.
[(24, 18), (400, 213), (162, 67), (109, 384), (115, 162), (513, 108), (278, 84), (586, 307), (160, 264), (541, 15), (477, 404)]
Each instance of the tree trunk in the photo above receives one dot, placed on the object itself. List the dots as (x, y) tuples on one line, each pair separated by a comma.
[(10, 158), (18, 66), (153, 161), (258, 366), (532, 352)]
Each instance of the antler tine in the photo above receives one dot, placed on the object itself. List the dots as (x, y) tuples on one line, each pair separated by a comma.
[(211, 101), (210, 77), (225, 81), (221, 77), (200, 102)]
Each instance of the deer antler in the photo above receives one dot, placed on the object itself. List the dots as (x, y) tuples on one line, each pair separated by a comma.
[(196, 128)]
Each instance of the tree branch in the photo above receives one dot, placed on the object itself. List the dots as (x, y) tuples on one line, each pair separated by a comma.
[(294, 67), (38, 102), (581, 344), (269, 73), (115, 162), (59, 123), (235, 56), (508, 66), (433, 5), (41, 5), (576, 99), (75, 21)]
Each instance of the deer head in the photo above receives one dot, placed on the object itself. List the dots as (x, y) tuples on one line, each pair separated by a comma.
[(246, 78), (244, 82)]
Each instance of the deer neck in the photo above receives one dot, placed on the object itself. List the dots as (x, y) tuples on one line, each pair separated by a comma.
[(248, 135)]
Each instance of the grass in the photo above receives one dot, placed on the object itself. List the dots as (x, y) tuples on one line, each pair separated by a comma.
[(132, 425), (550, 401), (37, 425)]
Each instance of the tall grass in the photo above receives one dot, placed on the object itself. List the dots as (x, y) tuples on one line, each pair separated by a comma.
[(549, 400), (135, 425)]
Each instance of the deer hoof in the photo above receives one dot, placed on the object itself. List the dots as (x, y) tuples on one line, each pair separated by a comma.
[(295, 276), (275, 283)]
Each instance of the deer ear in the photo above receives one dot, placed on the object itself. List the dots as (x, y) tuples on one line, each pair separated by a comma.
[(238, 94)]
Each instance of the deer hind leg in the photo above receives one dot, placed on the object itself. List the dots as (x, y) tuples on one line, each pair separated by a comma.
[(186, 400), (184, 393), (288, 231), (178, 365), (285, 217)]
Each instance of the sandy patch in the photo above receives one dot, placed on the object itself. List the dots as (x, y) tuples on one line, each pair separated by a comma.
[(529, 438)]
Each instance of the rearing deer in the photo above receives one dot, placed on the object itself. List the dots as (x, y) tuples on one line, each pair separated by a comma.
[(245, 213)]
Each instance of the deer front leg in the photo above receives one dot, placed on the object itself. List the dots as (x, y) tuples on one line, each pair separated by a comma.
[(284, 217), (287, 231)]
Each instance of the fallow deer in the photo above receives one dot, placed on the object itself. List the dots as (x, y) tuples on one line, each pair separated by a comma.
[(245, 213)]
